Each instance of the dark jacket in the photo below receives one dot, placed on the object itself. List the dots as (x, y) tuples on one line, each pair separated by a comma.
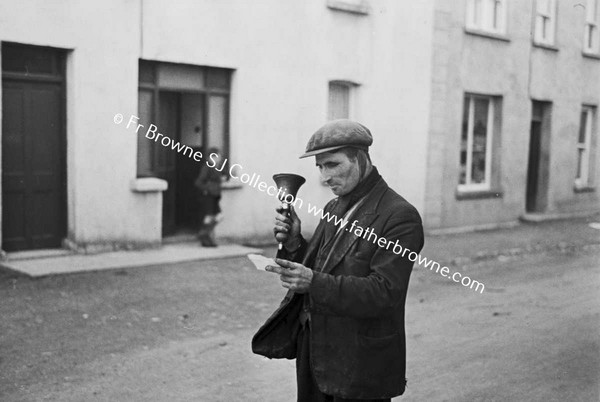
[(356, 302), (208, 182)]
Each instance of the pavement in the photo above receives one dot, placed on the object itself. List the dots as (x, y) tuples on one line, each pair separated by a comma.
[(53, 263), (447, 249)]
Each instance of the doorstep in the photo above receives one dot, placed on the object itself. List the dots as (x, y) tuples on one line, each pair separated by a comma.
[(54, 262)]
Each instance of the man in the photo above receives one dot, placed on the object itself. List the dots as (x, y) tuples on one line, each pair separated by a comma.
[(343, 316)]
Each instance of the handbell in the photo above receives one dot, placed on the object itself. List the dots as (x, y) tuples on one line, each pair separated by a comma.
[(288, 185)]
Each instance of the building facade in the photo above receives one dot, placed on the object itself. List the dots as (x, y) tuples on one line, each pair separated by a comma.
[(513, 123), (109, 108)]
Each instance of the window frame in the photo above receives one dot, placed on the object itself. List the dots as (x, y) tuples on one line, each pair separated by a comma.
[(153, 85), (545, 15), (583, 175), (469, 186), (482, 16), (351, 87), (592, 28)]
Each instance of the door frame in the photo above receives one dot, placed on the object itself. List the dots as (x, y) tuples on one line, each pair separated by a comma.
[(538, 201), (59, 78)]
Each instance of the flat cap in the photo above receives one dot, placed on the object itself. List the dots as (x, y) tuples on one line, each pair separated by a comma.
[(338, 134)]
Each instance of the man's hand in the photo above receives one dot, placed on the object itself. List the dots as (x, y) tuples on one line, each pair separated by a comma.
[(293, 276), (287, 229)]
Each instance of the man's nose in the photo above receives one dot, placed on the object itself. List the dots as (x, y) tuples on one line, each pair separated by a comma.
[(325, 177)]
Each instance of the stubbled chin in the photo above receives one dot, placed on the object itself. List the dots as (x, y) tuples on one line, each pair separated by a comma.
[(337, 191)]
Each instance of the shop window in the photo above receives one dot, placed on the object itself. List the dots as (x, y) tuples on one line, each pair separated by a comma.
[(480, 122)]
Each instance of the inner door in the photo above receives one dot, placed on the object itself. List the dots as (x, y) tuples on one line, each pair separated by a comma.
[(192, 134), (165, 158)]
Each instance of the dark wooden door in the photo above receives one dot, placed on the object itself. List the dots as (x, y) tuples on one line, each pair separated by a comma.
[(165, 158), (33, 168)]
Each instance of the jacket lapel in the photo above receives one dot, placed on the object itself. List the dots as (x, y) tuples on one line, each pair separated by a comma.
[(365, 215), (313, 246)]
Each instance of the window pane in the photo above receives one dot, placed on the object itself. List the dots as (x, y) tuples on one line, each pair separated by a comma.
[(477, 13), (174, 76), (591, 38), (479, 140), (591, 10), (147, 72), (580, 166), (217, 78), (582, 127), (496, 15), (29, 59), (339, 101), (192, 119), (144, 156), (217, 124), (464, 142)]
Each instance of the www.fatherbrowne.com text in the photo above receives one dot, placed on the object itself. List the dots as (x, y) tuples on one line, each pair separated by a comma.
[(236, 171)]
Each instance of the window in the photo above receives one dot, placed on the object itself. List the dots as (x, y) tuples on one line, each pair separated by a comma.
[(189, 104), (591, 39), (476, 143), (341, 100), (584, 144), (545, 22), (487, 15)]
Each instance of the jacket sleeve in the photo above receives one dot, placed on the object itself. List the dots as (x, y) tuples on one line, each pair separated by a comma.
[(383, 289), (297, 255)]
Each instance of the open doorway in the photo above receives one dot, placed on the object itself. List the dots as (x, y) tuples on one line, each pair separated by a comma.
[(189, 104), (539, 158), (181, 118)]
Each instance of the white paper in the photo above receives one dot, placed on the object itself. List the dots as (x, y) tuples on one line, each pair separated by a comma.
[(260, 261)]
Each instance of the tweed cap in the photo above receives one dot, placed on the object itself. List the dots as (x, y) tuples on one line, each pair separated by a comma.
[(338, 134)]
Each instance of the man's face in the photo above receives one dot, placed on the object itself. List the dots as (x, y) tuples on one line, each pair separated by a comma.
[(338, 172)]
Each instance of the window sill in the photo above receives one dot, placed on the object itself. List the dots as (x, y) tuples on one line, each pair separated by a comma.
[(584, 189), (361, 8), (545, 46), (486, 34), (148, 185), (591, 55), (478, 194)]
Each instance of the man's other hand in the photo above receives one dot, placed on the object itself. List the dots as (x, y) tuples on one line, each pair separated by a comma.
[(293, 276), (287, 229)]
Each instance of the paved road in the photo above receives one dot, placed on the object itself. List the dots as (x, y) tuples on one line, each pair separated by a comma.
[(181, 333)]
